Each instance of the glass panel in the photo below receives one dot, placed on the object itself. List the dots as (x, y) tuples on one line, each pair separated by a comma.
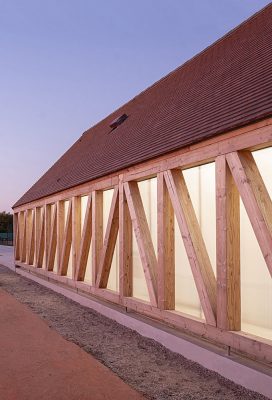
[(200, 182), (187, 299), (140, 290), (148, 192), (207, 210), (113, 282), (88, 272), (28, 230), (55, 267), (256, 282), (69, 269), (263, 159), (37, 222), (43, 216)]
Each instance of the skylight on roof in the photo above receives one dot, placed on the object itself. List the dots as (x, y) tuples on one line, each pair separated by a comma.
[(118, 121)]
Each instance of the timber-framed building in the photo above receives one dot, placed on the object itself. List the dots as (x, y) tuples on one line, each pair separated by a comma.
[(164, 207)]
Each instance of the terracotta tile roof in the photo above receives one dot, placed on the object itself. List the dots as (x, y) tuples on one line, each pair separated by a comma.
[(226, 86)]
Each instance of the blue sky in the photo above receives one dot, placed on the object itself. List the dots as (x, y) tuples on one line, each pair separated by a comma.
[(67, 64)]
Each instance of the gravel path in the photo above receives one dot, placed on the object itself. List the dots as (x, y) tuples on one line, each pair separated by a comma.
[(142, 363)]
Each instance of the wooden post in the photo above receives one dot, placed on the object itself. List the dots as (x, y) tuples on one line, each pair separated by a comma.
[(76, 232), (97, 231), (125, 246), (166, 247), (227, 248)]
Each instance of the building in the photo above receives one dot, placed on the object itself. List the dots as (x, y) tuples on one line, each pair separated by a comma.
[(165, 207)]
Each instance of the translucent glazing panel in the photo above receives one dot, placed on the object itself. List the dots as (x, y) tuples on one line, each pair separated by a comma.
[(55, 267), (28, 230), (88, 272), (107, 198), (33, 220), (207, 215), (21, 226), (113, 282), (69, 269), (187, 299), (37, 223), (256, 282), (148, 192), (263, 159), (43, 218), (139, 283), (200, 183)]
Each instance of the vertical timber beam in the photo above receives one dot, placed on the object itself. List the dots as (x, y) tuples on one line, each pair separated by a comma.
[(125, 245), (97, 231), (60, 230), (227, 248), (76, 232), (166, 247)]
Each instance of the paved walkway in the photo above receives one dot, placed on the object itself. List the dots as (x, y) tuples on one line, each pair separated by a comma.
[(7, 256), (37, 363)]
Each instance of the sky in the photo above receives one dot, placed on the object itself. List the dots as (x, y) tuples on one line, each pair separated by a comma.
[(66, 64)]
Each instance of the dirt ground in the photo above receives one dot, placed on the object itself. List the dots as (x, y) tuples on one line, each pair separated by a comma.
[(145, 365)]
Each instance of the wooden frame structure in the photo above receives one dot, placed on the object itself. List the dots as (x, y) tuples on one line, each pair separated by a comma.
[(43, 235)]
